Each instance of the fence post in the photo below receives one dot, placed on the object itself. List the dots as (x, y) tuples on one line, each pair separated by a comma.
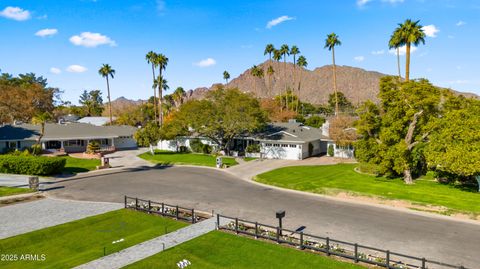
[(125, 201), (218, 221), (301, 240), (256, 230), (176, 212), (278, 235), (236, 225), (136, 203), (387, 263), (328, 246), (423, 263), (163, 209), (149, 206), (356, 252), (193, 215)]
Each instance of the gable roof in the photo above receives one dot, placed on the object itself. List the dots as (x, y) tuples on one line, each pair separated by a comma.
[(69, 131), (290, 132)]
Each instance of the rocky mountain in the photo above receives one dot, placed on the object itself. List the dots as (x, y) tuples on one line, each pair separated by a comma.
[(312, 86)]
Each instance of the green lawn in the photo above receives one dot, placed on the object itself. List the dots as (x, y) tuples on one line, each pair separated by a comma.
[(77, 165), (247, 159), (331, 179), (6, 191), (170, 157), (74, 243), (221, 250)]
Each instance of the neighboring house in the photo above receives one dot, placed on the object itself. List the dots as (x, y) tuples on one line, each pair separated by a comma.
[(347, 152), (69, 137), (287, 141), (97, 121)]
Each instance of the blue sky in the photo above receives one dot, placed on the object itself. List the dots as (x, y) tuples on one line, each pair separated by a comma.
[(67, 41)]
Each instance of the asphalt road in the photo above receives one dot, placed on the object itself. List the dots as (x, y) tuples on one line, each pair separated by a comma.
[(206, 189)]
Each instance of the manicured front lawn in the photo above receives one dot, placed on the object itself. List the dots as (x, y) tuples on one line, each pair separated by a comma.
[(331, 179), (247, 159), (221, 250), (6, 191), (169, 157), (74, 243), (77, 165)]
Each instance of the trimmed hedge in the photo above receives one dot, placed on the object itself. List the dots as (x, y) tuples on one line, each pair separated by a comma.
[(31, 165)]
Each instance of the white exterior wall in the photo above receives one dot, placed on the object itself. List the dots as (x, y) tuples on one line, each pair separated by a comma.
[(340, 152), (173, 145), (125, 143), (277, 151)]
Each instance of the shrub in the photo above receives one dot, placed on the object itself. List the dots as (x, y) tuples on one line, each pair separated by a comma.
[(31, 165), (93, 147), (36, 149), (330, 151), (197, 146), (183, 149), (315, 121), (253, 148)]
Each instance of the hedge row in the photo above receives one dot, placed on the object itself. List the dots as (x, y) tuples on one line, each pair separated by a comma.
[(31, 165)]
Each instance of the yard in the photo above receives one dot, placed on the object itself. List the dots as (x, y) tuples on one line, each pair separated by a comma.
[(6, 191), (170, 157), (333, 179), (74, 243), (77, 165), (222, 250)]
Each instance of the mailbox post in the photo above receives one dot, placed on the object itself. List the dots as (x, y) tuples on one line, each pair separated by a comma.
[(280, 214), (219, 162)]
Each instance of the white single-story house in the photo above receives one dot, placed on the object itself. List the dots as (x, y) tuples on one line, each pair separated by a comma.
[(97, 121), (68, 137)]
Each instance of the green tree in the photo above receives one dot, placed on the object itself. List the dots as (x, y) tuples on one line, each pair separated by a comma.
[(302, 63), (161, 61), (315, 121), (330, 43), (454, 145), (294, 50), (107, 71), (285, 50), (92, 102), (178, 96), (341, 101), (396, 42), (256, 72), (410, 32), (151, 59), (223, 115), (148, 136), (226, 76), (269, 49), (41, 119)]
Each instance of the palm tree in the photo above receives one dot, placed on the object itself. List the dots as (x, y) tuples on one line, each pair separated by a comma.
[(285, 50), (226, 76), (256, 72), (161, 61), (150, 57), (330, 43), (410, 33), (302, 63), (41, 119), (294, 51), (178, 96), (107, 71), (270, 72), (277, 56), (396, 42), (269, 49)]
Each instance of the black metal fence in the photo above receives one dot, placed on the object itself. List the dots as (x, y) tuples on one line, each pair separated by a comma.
[(163, 209), (329, 246)]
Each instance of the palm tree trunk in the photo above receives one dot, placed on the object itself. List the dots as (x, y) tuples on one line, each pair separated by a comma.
[(109, 101), (293, 87), (398, 62), (335, 81), (160, 99), (154, 94), (407, 64), (285, 78), (298, 97)]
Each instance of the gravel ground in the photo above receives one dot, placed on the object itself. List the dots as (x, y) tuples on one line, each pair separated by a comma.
[(26, 217)]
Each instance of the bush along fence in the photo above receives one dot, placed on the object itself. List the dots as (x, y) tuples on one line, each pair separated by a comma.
[(329, 246), (174, 211)]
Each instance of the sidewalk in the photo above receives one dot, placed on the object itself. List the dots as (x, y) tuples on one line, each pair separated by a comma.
[(12, 180), (151, 247)]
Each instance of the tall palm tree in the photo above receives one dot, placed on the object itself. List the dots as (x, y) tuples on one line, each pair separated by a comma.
[(161, 61), (256, 72), (302, 63), (226, 76), (410, 33), (277, 56), (294, 51), (270, 72), (178, 96), (269, 49), (285, 50), (330, 43), (107, 71), (396, 42), (150, 57)]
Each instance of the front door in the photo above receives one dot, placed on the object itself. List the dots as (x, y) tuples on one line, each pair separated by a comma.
[(53, 145)]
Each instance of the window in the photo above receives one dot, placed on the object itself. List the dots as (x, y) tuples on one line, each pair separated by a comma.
[(276, 145), (11, 144), (74, 143), (293, 146), (268, 145), (284, 146)]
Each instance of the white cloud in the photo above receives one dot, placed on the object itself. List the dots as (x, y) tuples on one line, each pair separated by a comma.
[(91, 40), (206, 62), (361, 3), (460, 23), (430, 30), (55, 70), (15, 13), (278, 20), (378, 52), (46, 32), (359, 58), (403, 50), (459, 81), (75, 68)]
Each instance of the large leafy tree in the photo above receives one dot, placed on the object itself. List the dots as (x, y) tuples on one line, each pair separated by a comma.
[(454, 146), (330, 43), (148, 135), (223, 115), (92, 102), (151, 59), (410, 32), (107, 71), (393, 135), (339, 101)]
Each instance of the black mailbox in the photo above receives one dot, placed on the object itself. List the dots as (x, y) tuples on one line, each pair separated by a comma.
[(280, 214)]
